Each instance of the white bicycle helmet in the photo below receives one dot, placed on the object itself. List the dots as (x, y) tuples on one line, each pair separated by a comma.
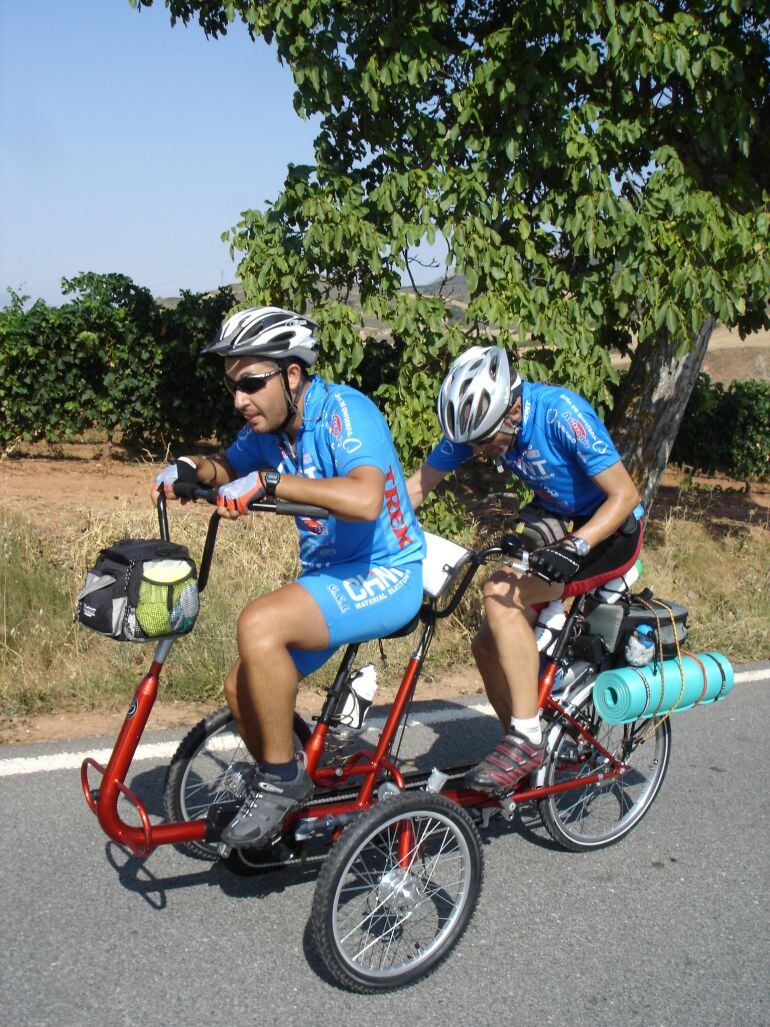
[(476, 394), (267, 332)]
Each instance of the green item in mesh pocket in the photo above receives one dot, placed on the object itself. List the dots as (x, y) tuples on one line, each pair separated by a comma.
[(140, 590), (168, 598)]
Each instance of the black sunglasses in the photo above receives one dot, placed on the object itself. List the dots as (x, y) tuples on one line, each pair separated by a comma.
[(250, 383), (502, 427)]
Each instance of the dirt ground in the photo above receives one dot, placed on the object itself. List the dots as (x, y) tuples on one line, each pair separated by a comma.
[(730, 358)]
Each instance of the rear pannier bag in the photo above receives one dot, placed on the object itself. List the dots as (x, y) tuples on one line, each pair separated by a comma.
[(667, 619), (616, 622), (140, 590)]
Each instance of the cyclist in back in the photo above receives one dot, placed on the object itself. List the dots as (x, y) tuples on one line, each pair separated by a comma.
[(313, 442), (556, 444)]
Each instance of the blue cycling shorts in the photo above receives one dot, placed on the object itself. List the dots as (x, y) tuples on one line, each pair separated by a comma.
[(359, 603)]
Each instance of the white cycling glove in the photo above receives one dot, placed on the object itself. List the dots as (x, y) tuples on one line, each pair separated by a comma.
[(237, 495), (170, 473)]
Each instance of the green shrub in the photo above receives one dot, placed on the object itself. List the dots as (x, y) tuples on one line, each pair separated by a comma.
[(726, 430), (114, 360)]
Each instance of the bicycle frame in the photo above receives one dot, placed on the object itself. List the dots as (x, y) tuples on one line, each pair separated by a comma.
[(366, 767)]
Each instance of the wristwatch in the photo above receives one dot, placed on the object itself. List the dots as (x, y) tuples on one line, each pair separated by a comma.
[(582, 548), (270, 480)]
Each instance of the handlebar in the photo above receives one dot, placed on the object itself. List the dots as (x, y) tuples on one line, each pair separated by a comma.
[(285, 507), (187, 490)]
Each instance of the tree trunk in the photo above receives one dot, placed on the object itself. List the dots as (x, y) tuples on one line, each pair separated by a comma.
[(651, 405)]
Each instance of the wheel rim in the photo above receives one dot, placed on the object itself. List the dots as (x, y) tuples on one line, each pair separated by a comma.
[(392, 915), (604, 810), (214, 774)]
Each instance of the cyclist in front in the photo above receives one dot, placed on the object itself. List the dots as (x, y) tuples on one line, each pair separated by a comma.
[(314, 442), (554, 441)]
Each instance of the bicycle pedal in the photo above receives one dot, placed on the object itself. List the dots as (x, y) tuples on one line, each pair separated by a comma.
[(507, 808)]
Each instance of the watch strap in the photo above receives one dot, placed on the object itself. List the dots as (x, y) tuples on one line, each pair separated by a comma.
[(270, 479)]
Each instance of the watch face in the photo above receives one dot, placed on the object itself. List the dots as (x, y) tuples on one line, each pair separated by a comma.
[(271, 479), (581, 546)]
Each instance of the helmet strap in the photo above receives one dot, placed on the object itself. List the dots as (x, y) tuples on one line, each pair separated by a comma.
[(291, 401)]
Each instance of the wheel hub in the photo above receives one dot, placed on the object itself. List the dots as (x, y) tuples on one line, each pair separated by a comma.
[(400, 890)]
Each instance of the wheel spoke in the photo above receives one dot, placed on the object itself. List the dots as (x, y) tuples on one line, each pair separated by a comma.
[(392, 911), (600, 812)]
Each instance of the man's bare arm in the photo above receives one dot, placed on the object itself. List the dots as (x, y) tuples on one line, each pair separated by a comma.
[(422, 482), (622, 497)]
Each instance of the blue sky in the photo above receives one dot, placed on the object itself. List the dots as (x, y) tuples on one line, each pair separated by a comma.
[(128, 146)]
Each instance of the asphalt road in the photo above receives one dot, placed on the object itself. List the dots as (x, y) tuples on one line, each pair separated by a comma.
[(669, 927)]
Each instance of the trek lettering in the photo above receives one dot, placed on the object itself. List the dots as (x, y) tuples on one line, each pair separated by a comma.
[(394, 510)]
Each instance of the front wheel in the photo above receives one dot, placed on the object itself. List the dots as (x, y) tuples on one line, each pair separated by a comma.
[(591, 816), (397, 892), (211, 768)]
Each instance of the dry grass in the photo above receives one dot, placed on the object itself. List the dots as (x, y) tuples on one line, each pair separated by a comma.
[(46, 663), (721, 573)]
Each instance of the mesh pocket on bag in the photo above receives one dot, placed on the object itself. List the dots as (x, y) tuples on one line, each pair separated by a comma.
[(164, 606)]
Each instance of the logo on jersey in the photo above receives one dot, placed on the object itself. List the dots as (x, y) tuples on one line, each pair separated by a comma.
[(600, 447), (316, 527), (578, 430), (351, 445), (336, 426), (397, 522)]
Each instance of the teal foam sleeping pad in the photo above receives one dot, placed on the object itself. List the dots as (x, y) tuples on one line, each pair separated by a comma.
[(626, 694)]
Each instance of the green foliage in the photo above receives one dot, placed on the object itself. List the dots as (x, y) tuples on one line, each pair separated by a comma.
[(597, 171), (727, 430), (111, 359)]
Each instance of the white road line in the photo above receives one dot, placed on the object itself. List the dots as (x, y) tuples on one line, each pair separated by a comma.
[(741, 676), (165, 750)]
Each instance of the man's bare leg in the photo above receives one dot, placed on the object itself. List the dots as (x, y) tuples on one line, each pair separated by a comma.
[(261, 687), (505, 647)]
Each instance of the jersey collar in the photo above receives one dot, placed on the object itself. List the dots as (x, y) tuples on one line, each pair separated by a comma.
[(315, 397), (527, 423)]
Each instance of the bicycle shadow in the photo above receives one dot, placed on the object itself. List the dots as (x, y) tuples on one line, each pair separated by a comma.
[(478, 733), (135, 876)]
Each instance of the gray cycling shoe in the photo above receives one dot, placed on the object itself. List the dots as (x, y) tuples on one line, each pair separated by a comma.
[(268, 801)]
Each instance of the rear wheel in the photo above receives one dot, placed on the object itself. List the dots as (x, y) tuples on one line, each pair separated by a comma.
[(211, 768), (593, 815), (397, 891)]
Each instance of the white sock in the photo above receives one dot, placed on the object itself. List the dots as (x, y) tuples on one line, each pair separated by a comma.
[(529, 727)]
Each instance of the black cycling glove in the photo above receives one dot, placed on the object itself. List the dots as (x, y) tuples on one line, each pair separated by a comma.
[(558, 562)]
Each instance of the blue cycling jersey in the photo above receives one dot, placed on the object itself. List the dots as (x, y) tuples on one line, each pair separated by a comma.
[(561, 446), (341, 430)]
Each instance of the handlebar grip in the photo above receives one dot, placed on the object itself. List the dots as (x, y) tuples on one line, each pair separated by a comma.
[(287, 508), (191, 490)]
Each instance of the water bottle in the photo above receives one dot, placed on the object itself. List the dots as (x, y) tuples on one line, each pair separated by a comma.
[(549, 623), (436, 780), (640, 647), (358, 698), (611, 591)]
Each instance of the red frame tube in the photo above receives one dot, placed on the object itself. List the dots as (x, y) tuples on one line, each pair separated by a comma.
[(103, 800)]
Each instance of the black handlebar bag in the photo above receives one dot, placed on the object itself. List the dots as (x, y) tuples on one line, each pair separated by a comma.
[(140, 590)]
